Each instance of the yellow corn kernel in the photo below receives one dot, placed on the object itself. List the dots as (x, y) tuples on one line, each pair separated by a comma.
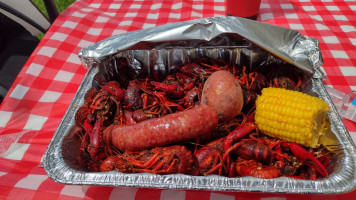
[(292, 116)]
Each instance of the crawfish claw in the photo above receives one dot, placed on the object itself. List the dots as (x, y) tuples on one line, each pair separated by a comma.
[(95, 138), (305, 157), (238, 133)]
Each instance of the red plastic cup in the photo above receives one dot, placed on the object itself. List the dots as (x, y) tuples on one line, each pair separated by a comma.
[(243, 8)]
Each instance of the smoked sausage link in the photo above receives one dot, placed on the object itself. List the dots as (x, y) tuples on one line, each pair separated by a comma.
[(172, 128)]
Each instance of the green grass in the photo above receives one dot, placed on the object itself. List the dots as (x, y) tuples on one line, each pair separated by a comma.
[(61, 6)]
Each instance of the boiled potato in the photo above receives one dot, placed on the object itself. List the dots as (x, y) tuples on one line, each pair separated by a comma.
[(223, 93)]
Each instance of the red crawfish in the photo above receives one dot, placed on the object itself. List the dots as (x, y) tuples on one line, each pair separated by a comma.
[(194, 70), (256, 169), (253, 81), (285, 76), (159, 160), (279, 154), (100, 109), (191, 98), (133, 99), (210, 156), (170, 86)]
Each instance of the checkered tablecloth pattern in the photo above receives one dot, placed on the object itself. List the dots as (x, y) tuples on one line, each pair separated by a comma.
[(39, 97)]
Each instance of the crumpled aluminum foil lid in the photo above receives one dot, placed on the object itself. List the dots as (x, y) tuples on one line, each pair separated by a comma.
[(289, 45)]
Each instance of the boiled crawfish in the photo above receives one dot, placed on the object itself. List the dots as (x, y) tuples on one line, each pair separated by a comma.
[(160, 160), (211, 157), (285, 76), (101, 108), (256, 169), (288, 162), (249, 157), (252, 81)]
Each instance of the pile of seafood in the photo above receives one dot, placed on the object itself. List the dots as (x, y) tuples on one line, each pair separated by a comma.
[(167, 126)]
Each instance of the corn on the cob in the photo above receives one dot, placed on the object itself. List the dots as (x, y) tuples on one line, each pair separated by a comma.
[(292, 116)]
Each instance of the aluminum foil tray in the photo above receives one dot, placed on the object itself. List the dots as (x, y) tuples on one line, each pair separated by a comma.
[(161, 50)]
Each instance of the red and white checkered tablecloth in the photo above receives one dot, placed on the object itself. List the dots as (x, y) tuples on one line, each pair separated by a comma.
[(39, 97)]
